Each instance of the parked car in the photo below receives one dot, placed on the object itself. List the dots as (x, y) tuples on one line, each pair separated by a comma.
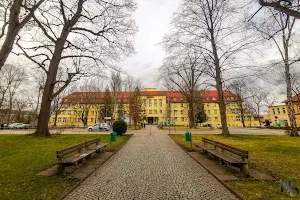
[(95, 127), (25, 126), (15, 125), (219, 126), (105, 127), (101, 127)]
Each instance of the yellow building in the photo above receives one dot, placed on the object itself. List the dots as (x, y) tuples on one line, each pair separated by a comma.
[(155, 106), (279, 115)]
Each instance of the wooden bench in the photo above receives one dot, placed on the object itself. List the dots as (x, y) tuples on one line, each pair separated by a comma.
[(89, 145), (84, 150), (226, 154)]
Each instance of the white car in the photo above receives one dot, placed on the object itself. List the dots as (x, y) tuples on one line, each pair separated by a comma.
[(219, 126), (98, 127), (15, 125)]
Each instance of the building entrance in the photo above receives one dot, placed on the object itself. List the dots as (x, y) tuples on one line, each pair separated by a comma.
[(150, 120)]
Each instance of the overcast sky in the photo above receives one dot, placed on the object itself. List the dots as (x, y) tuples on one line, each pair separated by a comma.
[(153, 18)]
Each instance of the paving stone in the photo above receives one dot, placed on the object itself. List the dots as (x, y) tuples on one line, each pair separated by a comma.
[(151, 167)]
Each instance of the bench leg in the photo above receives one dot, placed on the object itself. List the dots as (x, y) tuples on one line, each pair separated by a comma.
[(245, 170), (60, 169)]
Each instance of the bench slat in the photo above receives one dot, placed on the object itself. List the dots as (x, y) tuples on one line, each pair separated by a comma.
[(229, 159), (94, 141), (62, 152), (77, 157), (202, 146), (232, 150), (98, 146)]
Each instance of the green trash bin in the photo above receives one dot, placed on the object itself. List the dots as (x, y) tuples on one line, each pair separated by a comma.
[(113, 136), (187, 136)]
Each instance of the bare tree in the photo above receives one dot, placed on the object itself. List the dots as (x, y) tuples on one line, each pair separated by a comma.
[(12, 79), (83, 101), (284, 40), (116, 86), (87, 34), (14, 15), (211, 28), (239, 87), (185, 73), (288, 7)]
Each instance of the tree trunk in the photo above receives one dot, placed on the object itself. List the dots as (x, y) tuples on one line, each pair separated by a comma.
[(42, 127), (219, 86), (43, 119), (55, 118), (242, 111), (13, 29), (191, 113), (290, 106)]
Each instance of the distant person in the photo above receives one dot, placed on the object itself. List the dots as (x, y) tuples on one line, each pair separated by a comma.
[(101, 127), (144, 125)]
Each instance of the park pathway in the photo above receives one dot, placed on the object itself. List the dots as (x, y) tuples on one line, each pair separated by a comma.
[(151, 167)]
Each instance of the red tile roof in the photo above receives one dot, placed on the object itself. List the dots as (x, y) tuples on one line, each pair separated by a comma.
[(294, 98), (175, 96)]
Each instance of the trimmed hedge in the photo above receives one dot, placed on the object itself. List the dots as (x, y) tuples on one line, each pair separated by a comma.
[(120, 127)]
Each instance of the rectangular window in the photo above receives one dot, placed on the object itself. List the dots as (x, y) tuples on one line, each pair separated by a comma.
[(92, 106), (182, 112), (216, 118), (182, 119), (53, 119), (208, 111), (215, 111), (175, 112), (207, 105), (92, 119), (59, 119), (278, 110), (150, 102), (64, 119), (175, 105), (93, 113), (69, 112), (160, 102), (238, 118), (182, 105), (175, 119), (155, 111), (208, 119), (283, 110), (160, 111), (274, 111), (215, 105), (145, 102), (150, 111)]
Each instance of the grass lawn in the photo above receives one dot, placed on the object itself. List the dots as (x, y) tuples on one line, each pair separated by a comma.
[(23, 156), (187, 128), (278, 156)]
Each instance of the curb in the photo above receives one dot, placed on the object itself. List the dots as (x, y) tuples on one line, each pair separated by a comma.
[(220, 181), (66, 193)]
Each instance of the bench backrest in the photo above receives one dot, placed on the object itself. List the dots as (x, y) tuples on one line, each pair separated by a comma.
[(209, 141), (227, 147), (68, 150), (232, 149), (94, 141)]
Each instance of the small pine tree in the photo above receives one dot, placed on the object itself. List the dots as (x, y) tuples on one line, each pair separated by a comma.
[(107, 107), (136, 107)]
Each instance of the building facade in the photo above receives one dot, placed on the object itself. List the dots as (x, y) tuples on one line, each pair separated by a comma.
[(156, 106)]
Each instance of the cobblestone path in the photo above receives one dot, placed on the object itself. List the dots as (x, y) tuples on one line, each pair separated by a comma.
[(151, 167)]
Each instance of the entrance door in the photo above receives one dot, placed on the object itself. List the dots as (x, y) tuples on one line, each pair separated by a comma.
[(150, 120)]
